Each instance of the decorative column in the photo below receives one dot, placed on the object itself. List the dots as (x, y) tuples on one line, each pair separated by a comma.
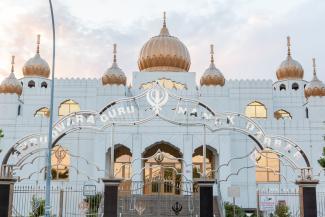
[(136, 156), (6, 191), (307, 197), (206, 197), (187, 164), (111, 196)]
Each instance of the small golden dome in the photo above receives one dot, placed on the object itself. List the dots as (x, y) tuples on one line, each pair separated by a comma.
[(315, 87), (114, 75), (212, 76), (290, 69), (36, 66), (164, 53), (11, 84)]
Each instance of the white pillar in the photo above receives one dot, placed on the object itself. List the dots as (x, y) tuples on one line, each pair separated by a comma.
[(136, 158), (187, 163)]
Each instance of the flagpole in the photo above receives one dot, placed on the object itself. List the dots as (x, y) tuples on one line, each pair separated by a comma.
[(49, 169)]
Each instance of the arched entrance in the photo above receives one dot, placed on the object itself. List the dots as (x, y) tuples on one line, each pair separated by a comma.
[(162, 176), (211, 162)]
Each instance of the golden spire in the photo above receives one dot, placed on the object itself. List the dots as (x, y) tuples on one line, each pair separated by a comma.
[(212, 53), (314, 66), (164, 24), (289, 45), (38, 43), (164, 30), (12, 64), (114, 53)]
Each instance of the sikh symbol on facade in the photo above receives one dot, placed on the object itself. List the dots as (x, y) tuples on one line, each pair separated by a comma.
[(157, 97)]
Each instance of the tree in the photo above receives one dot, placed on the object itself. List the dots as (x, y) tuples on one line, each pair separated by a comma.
[(38, 207), (230, 210), (93, 204), (282, 210), (321, 161)]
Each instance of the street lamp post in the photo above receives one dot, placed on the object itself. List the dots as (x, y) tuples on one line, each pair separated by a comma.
[(48, 175)]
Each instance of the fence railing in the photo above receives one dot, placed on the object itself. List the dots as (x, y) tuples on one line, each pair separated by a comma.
[(29, 201), (291, 199)]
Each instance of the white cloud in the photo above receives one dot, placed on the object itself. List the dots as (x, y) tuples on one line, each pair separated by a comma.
[(249, 35)]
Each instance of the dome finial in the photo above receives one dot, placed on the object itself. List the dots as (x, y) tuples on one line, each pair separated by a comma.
[(314, 66), (12, 64), (212, 53), (114, 52), (164, 24), (38, 43), (289, 45), (164, 30)]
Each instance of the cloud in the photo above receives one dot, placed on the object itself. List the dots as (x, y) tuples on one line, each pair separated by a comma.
[(249, 36)]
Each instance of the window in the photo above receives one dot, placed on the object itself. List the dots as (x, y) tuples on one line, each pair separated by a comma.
[(256, 110), (307, 113), (282, 87), (31, 84), (295, 86), (68, 107), (268, 167), (166, 83), (42, 112), (60, 163), (44, 84), (282, 114)]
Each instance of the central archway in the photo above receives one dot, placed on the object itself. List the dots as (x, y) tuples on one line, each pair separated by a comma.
[(162, 175)]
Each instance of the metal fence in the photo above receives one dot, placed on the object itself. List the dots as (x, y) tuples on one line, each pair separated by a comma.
[(157, 198), (72, 201), (291, 199)]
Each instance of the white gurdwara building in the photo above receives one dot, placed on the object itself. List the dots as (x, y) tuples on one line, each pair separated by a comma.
[(289, 107)]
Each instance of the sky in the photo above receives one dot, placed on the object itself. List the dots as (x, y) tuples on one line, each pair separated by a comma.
[(249, 35)]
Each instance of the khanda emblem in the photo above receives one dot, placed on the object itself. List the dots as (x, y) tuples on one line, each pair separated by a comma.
[(157, 97), (177, 208)]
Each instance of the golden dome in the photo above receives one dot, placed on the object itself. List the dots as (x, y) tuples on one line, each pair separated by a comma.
[(36, 66), (212, 76), (11, 83), (114, 75), (290, 69), (315, 87), (164, 53)]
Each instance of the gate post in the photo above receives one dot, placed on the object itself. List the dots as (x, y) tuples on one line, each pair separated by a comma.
[(6, 190), (307, 197), (206, 197), (111, 196)]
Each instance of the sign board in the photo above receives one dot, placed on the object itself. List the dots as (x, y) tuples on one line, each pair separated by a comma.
[(267, 203), (234, 191), (89, 190)]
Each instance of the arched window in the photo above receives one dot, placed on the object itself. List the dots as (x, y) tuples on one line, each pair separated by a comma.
[(198, 159), (122, 162), (283, 87), (166, 83), (256, 110), (60, 163), (268, 167), (42, 112), (68, 107), (282, 114), (31, 84), (295, 86), (44, 84)]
